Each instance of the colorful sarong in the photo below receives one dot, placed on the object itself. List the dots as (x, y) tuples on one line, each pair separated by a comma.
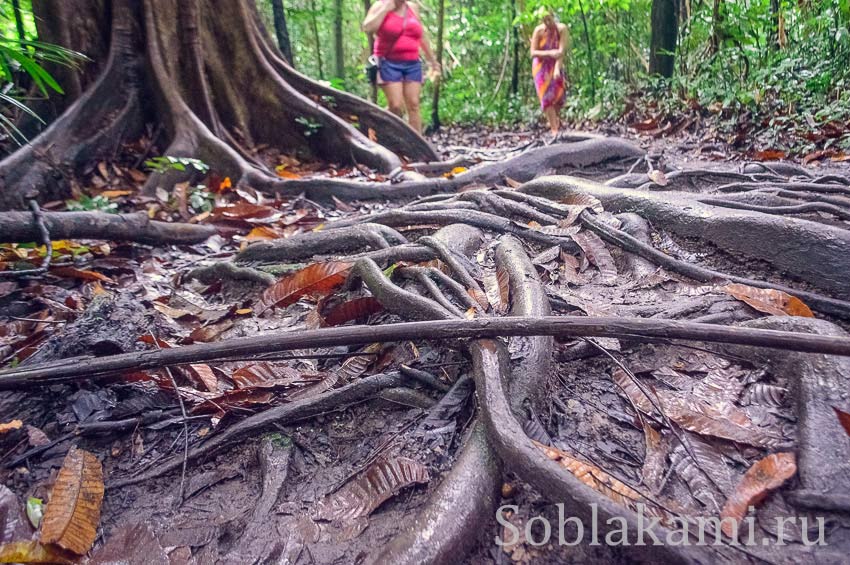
[(551, 90)]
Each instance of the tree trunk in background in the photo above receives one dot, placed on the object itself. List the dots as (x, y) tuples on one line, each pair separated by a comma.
[(207, 75), (373, 88), (773, 37), (664, 23), (514, 91), (435, 106), (590, 54), (19, 20), (716, 23), (316, 41), (282, 31), (339, 49)]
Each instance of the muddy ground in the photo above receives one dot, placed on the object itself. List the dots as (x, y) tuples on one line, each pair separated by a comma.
[(288, 471)]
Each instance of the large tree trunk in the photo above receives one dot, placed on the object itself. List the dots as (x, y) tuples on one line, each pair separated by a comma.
[(204, 70), (665, 31)]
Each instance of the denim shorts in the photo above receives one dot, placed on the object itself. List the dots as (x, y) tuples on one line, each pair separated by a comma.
[(400, 71)]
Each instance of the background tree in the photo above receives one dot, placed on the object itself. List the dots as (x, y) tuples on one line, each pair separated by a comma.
[(282, 31), (665, 33)]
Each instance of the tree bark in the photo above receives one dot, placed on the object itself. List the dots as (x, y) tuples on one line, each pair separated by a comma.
[(664, 34), (435, 105), (515, 70), (339, 41), (282, 31), (207, 72)]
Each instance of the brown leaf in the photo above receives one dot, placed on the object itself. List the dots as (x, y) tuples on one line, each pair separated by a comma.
[(247, 212), (263, 233), (354, 367), (584, 201), (498, 290), (73, 513), (33, 552), (658, 177), (769, 301), (72, 273), (356, 309), (597, 253), (363, 494), (843, 418), (770, 155), (652, 472), (764, 476), (594, 477), (512, 183), (233, 400), (206, 376), (10, 426), (317, 280), (327, 382), (480, 297), (265, 375)]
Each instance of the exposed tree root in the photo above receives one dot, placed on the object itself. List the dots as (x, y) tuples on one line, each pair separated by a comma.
[(628, 243), (304, 246), (805, 250), (522, 168), (19, 227), (445, 529), (780, 210), (299, 410)]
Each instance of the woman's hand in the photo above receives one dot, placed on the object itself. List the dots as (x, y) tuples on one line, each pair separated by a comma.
[(435, 71), (376, 15)]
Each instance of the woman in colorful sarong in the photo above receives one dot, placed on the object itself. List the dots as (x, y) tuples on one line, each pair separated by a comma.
[(549, 46)]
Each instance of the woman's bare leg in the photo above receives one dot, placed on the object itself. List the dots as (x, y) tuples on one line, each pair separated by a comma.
[(553, 119), (394, 91), (412, 93)]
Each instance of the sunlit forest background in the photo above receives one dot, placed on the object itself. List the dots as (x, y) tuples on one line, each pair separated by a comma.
[(781, 66)]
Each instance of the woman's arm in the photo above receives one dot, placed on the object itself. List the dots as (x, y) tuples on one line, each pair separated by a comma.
[(542, 53), (376, 15), (425, 45)]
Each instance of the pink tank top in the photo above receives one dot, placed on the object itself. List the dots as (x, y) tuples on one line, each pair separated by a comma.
[(406, 47)]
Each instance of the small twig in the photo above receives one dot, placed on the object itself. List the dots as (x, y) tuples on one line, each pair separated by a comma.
[(182, 491), (44, 234)]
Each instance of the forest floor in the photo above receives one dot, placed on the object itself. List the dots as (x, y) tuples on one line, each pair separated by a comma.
[(332, 488)]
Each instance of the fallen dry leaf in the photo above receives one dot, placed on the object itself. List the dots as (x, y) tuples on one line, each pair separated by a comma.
[(10, 426), (73, 512), (843, 418), (769, 301), (658, 177), (33, 552), (765, 476), (72, 273), (363, 494), (317, 280), (593, 476), (356, 309)]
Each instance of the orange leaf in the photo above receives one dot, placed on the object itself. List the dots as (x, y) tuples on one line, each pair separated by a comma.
[(479, 296), (10, 426), (764, 476), (115, 193), (593, 476), (317, 280), (769, 301), (353, 310), (844, 418), (770, 155), (72, 273), (658, 177), (265, 375), (283, 173), (73, 513), (262, 233)]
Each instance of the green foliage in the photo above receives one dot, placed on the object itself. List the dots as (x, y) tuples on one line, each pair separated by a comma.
[(25, 57), (311, 126), (92, 204), (167, 163), (805, 81), (200, 200)]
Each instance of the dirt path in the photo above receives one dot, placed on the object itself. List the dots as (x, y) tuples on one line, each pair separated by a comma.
[(402, 452)]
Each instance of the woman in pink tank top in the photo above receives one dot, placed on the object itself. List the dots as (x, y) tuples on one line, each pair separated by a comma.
[(399, 37)]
